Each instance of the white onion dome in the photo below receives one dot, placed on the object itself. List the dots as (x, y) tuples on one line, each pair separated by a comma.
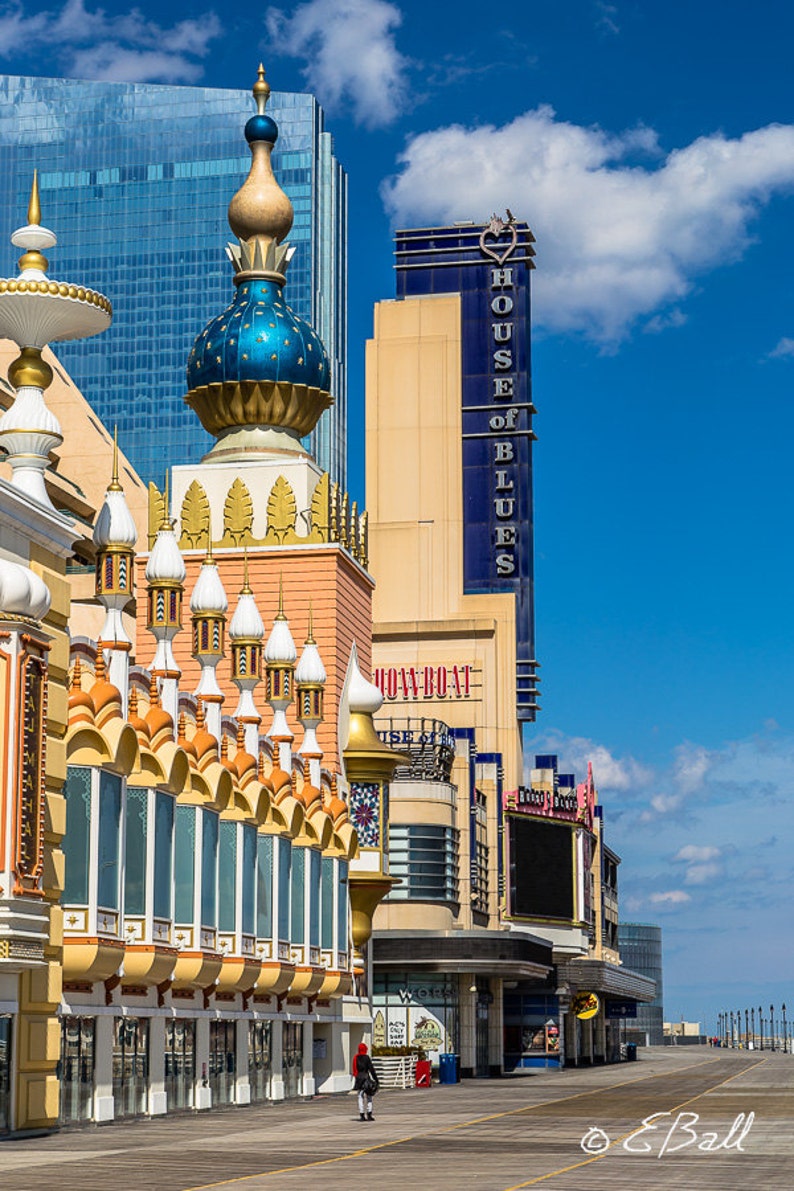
[(310, 670), (280, 648), (362, 696), (209, 597), (114, 525), (22, 592), (246, 623), (166, 564)]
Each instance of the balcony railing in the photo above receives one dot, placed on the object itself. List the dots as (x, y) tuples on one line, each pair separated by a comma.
[(428, 742)]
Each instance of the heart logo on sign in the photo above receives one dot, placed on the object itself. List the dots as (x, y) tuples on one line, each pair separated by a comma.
[(492, 234)]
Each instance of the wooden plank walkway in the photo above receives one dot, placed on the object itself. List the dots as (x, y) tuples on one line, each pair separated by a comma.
[(497, 1135)]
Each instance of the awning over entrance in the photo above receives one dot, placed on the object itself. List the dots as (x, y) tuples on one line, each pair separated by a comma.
[(493, 953), (601, 977)]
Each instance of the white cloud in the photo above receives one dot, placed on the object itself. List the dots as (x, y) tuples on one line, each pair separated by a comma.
[(607, 19), (695, 852), (618, 241), (783, 351), (124, 48), (672, 897), (609, 772), (663, 804), (699, 874), (351, 54), (692, 763)]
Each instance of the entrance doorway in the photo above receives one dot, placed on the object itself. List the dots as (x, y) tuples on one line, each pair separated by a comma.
[(222, 1061), (130, 1066), (5, 1072), (77, 1069), (180, 1063), (259, 1043), (292, 1061)]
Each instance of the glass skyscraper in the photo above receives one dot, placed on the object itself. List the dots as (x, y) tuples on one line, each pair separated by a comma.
[(135, 180), (640, 946)]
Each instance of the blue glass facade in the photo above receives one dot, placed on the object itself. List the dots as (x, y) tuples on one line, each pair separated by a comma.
[(489, 267), (135, 179)]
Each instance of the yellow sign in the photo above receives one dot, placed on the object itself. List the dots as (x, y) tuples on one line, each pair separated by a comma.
[(585, 1004)]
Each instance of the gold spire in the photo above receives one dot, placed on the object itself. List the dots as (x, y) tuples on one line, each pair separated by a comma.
[(260, 214), (246, 585), (166, 522), (34, 206), (310, 639), (261, 90), (208, 556), (280, 615), (114, 485)]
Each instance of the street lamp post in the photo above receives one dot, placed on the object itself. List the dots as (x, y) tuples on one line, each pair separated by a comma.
[(730, 1036), (772, 1027), (746, 1030), (752, 1025), (785, 1031), (761, 1026)]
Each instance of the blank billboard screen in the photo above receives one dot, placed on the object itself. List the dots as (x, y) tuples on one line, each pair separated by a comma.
[(541, 869)]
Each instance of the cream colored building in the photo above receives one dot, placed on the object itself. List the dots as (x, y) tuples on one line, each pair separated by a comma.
[(480, 950)]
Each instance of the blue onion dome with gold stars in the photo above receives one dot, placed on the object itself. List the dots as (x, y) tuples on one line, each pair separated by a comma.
[(258, 375)]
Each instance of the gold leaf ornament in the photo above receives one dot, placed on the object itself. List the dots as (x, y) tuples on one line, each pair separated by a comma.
[(195, 517), (282, 512), (238, 515)]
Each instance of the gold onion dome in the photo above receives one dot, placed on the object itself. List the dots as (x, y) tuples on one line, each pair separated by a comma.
[(258, 364)]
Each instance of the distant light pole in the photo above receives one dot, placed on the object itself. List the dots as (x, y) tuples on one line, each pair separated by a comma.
[(761, 1026), (746, 1030), (772, 1026), (732, 1041), (785, 1031), (752, 1025)]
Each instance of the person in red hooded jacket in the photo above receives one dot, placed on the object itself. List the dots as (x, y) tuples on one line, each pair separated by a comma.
[(365, 1082)]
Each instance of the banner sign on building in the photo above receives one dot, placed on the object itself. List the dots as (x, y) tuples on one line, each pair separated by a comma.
[(585, 1005), (490, 267), (405, 683)]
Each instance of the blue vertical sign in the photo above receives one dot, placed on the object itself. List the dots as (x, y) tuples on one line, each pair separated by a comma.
[(489, 266)]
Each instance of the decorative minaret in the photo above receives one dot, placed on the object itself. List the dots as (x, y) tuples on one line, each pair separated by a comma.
[(246, 634), (310, 677), (33, 312), (115, 535), (258, 375), (280, 655), (165, 578), (208, 605)]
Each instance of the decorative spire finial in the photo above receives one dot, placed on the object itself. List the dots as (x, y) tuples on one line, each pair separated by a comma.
[(246, 585), (310, 638), (114, 485), (166, 522), (34, 206), (280, 614), (261, 90)]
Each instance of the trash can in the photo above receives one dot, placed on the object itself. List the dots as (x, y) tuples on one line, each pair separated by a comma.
[(448, 1068), (423, 1073), (631, 1052)]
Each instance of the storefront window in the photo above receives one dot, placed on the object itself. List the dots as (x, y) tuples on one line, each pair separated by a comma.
[(315, 893), (327, 903), (532, 1031), (341, 905), (417, 1010)]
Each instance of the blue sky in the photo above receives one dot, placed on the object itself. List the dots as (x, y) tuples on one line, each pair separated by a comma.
[(651, 149)]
